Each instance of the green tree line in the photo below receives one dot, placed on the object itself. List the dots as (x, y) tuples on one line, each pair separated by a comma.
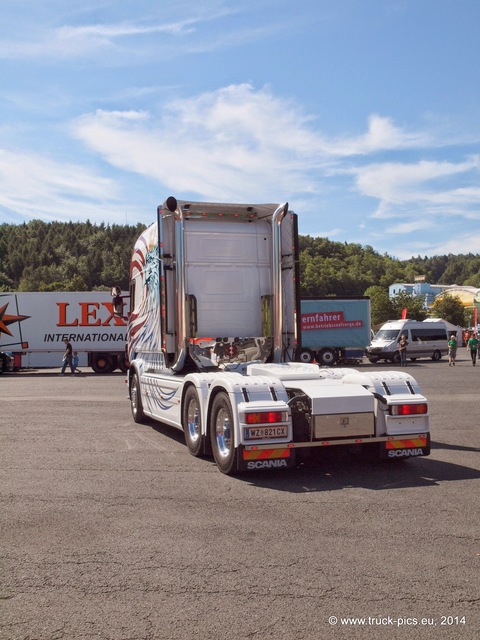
[(81, 256), (65, 256), (343, 269)]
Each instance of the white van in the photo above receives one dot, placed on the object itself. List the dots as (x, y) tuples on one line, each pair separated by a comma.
[(425, 340)]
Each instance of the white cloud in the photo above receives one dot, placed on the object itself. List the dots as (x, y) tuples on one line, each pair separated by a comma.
[(413, 226), (237, 143), (254, 135), (219, 145), (115, 42), (109, 32), (382, 134), (72, 42), (87, 39), (226, 142), (456, 244), (38, 187), (461, 244), (424, 185)]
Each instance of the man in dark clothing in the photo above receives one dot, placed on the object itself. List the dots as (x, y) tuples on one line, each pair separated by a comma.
[(472, 345), (68, 357)]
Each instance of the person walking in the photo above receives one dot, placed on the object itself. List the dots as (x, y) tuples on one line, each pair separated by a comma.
[(402, 349), (452, 350), (75, 362), (473, 346), (68, 357)]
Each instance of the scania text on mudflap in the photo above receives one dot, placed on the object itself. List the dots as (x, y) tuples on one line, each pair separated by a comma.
[(211, 342)]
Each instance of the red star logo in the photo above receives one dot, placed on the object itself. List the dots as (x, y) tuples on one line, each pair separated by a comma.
[(6, 320)]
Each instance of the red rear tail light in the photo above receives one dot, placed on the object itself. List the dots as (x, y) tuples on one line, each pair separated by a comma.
[(409, 409), (265, 417)]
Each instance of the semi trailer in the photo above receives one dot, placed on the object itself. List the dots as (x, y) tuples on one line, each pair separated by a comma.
[(334, 330), (33, 326)]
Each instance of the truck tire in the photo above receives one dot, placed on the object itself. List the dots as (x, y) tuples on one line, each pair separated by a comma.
[(102, 363), (222, 435), (436, 356), (373, 359), (327, 357), (192, 422), (306, 356), (396, 358), (136, 400)]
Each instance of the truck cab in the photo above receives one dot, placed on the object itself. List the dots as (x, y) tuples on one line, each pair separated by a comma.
[(208, 283)]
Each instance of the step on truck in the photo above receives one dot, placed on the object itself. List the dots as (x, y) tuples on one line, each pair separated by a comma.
[(211, 343)]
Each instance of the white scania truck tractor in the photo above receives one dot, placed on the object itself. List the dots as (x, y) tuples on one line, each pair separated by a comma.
[(211, 340)]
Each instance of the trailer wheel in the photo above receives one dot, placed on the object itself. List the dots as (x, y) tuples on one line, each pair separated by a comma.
[(102, 363), (136, 400), (327, 357), (436, 355), (192, 423), (306, 356), (222, 435)]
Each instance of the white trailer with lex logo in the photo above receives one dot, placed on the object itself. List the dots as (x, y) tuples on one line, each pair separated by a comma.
[(33, 326), (211, 341)]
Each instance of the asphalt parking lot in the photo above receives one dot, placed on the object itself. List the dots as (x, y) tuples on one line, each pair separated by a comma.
[(111, 530)]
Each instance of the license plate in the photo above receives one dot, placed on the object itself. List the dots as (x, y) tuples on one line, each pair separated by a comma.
[(254, 433)]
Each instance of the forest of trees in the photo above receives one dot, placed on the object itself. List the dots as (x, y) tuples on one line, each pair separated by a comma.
[(65, 256), (80, 256), (336, 268)]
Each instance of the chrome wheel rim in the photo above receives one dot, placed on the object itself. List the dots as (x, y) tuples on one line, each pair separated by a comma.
[(193, 420), (223, 433), (134, 397)]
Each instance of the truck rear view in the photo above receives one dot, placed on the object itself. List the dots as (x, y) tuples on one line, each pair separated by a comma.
[(211, 341), (212, 284)]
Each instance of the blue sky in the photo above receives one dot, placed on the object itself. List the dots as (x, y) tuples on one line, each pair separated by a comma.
[(363, 114)]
